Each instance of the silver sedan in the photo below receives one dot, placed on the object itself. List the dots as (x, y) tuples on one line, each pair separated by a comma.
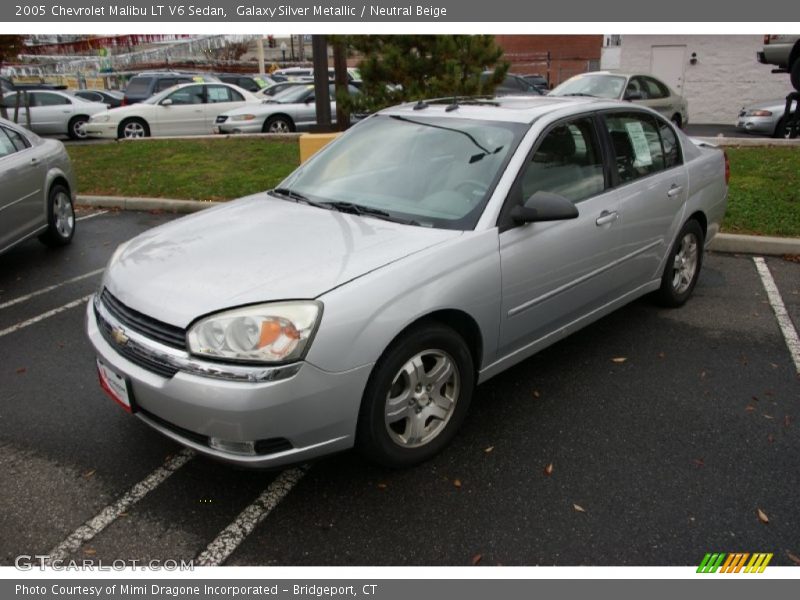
[(641, 89), (429, 248), (52, 112), (766, 118), (38, 189)]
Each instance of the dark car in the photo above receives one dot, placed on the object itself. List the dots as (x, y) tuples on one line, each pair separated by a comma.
[(9, 86), (111, 98), (251, 83), (512, 85), (537, 81), (142, 86)]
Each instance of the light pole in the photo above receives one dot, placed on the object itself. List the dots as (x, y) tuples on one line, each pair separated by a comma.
[(283, 50)]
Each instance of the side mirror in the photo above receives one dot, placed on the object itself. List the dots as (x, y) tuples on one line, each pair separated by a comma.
[(166, 102), (310, 100), (544, 206), (633, 96)]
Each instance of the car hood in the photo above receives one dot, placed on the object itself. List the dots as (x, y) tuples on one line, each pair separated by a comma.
[(255, 249)]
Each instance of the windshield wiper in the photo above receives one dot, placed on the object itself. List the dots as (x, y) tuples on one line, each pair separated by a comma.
[(297, 197), (580, 94), (359, 209)]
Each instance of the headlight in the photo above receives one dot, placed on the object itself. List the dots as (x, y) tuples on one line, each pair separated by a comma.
[(100, 118), (758, 113), (243, 118), (274, 332)]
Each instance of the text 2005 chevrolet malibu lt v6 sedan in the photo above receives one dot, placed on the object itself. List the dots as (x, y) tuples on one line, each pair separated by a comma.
[(426, 250)]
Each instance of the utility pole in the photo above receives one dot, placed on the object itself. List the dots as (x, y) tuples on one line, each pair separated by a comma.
[(319, 46), (260, 49)]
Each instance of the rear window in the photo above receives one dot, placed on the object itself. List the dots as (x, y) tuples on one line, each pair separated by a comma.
[(139, 85)]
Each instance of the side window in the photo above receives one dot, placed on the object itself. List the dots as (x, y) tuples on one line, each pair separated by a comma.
[(6, 146), (672, 148), (635, 89), (10, 101), (637, 145), (567, 162), (19, 141), (48, 99), (654, 90), (218, 93), (191, 94)]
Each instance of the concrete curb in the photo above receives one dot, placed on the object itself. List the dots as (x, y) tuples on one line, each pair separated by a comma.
[(753, 142), (723, 242)]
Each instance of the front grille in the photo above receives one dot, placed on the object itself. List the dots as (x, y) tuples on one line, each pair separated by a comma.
[(164, 333), (222, 118), (132, 353)]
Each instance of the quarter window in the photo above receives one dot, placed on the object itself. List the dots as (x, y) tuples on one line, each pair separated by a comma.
[(19, 142), (672, 149), (6, 146), (47, 99), (637, 145), (567, 162), (220, 93)]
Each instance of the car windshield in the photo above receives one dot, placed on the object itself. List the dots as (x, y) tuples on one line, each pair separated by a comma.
[(432, 171), (601, 86), (295, 93)]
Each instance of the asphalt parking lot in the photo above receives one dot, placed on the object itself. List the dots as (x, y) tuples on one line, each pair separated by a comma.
[(656, 459)]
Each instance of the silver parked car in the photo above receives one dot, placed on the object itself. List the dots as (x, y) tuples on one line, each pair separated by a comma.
[(766, 118), (429, 248), (293, 109), (38, 189), (638, 88), (53, 112)]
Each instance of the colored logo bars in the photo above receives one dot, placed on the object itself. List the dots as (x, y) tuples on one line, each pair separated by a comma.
[(734, 562)]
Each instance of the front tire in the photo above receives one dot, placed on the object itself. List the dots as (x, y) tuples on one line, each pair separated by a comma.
[(795, 74), (131, 129), (683, 266), (76, 126), (278, 124), (416, 398), (677, 120), (60, 217)]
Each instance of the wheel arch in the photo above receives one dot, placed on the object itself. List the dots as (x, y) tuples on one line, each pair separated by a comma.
[(139, 118), (701, 218), (283, 115)]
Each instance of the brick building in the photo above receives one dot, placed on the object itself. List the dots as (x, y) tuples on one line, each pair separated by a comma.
[(557, 57)]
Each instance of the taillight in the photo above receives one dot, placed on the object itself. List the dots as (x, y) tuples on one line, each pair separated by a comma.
[(727, 167), (766, 39), (124, 101)]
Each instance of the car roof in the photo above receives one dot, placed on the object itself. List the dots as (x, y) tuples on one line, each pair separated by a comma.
[(512, 109)]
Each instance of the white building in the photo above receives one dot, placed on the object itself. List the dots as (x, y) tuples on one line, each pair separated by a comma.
[(718, 74)]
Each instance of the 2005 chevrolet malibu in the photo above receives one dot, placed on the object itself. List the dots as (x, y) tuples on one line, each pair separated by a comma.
[(426, 250)]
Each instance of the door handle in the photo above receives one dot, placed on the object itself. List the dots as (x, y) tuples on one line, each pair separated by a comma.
[(607, 218), (34, 161), (674, 190)]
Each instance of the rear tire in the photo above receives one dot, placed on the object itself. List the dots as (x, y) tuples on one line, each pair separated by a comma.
[(75, 129), (683, 266), (781, 129), (795, 74), (416, 398), (60, 217), (677, 120)]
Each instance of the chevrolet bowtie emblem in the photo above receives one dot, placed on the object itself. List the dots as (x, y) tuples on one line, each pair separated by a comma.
[(119, 336)]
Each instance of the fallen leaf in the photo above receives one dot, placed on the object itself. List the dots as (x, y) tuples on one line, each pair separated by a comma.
[(382, 486), (488, 449), (536, 394), (787, 420), (21, 370), (619, 359), (661, 355), (749, 408), (769, 417), (699, 462), (773, 365), (762, 516), (578, 508), (89, 473), (457, 483), (769, 393), (770, 438), (90, 551), (476, 559), (754, 398), (548, 470), (793, 557), (702, 374)]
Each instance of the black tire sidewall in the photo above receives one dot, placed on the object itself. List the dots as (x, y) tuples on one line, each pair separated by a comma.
[(74, 121), (52, 236), (667, 293), (372, 439), (795, 74), (121, 127), (268, 123)]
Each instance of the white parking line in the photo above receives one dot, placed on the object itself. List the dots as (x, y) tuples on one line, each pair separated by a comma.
[(234, 534), (111, 513), (43, 316), (49, 288), (91, 216), (779, 308)]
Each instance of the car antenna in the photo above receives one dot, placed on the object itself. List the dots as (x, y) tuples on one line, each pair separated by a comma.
[(421, 104), (453, 106)]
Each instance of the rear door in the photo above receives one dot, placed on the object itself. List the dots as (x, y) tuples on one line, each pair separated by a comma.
[(220, 98), (50, 113), (186, 115), (21, 182), (554, 273), (652, 186)]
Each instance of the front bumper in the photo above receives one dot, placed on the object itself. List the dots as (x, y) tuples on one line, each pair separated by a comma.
[(239, 127), (314, 410), (102, 130)]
